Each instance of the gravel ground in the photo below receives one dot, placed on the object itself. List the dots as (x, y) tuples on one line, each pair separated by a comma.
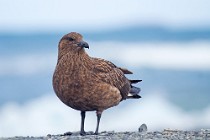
[(203, 134)]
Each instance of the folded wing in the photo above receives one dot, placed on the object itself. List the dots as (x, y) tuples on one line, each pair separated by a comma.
[(109, 73)]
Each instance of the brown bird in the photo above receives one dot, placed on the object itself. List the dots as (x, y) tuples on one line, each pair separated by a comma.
[(85, 83)]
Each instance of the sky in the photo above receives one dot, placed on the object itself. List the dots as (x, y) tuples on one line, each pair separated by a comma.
[(29, 15)]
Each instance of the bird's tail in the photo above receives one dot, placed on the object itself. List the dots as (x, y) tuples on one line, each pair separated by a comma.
[(133, 94), (135, 81)]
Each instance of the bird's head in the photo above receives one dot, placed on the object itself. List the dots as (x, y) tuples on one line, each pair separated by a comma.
[(72, 42)]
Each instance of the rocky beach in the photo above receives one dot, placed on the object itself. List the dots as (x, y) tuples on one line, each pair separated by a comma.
[(166, 134)]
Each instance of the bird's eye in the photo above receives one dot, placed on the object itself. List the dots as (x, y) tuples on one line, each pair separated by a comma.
[(70, 39)]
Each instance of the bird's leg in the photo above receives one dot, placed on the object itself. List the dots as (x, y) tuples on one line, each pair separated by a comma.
[(98, 114), (82, 131)]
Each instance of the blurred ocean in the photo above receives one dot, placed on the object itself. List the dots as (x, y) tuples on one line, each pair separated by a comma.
[(173, 64)]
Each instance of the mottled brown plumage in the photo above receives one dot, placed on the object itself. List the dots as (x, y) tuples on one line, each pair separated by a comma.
[(89, 84)]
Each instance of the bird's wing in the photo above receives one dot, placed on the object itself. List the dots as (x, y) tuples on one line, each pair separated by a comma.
[(107, 72), (101, 65), (106, 66)]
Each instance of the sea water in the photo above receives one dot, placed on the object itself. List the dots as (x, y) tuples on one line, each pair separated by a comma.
[(175, 88)]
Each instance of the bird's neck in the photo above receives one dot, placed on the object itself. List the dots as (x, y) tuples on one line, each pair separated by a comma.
[(77, 56)]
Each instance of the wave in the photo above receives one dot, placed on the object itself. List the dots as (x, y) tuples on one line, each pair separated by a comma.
[(177, 56), (47, 114), (27, 64)]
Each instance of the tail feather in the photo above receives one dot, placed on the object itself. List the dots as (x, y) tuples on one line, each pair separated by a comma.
[(134, 92), (135, 81), (134, 97), (125, 71)]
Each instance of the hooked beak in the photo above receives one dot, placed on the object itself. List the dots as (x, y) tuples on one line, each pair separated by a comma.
[(83, 44)]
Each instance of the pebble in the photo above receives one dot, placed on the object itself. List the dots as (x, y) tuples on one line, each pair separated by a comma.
[(166, 134), (143, 128)]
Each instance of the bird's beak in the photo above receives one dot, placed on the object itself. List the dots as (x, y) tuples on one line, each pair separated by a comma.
[(83, 44)]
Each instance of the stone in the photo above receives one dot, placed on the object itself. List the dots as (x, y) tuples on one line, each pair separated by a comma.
[(143, 128)]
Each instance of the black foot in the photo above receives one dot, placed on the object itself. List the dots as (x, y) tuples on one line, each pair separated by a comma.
[(87, 133), (96, 133), (83, 133)]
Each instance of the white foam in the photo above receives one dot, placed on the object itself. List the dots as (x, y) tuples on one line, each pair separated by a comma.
[(48, 115), (177, 56), (27, 64)]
